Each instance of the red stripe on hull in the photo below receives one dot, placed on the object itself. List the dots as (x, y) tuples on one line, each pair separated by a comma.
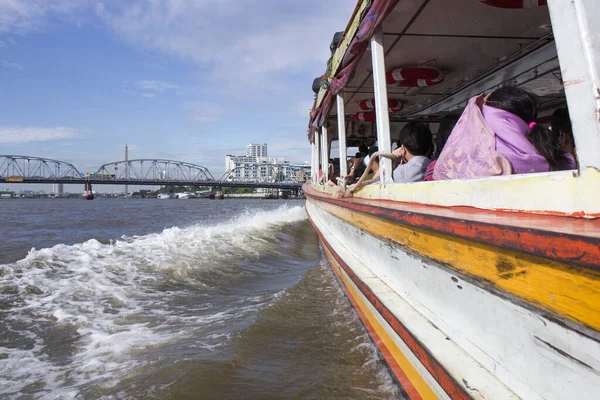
[(566, 247)]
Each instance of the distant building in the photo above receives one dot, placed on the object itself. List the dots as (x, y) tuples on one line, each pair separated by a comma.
[(256, 150), (58, 188), (256, 166), (231, 162)]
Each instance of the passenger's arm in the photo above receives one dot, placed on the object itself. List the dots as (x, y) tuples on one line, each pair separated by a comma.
[(362, 182)]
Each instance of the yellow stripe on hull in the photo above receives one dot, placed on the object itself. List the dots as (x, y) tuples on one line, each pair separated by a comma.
[(409, 370), (567, 291)]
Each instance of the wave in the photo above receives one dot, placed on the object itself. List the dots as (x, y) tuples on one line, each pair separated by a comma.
[(73, 314)]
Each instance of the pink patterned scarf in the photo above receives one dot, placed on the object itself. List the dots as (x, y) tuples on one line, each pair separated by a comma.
[(470, 151)]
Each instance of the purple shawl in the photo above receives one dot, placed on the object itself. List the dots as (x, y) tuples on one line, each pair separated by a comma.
[(470, 151), (511, 140)]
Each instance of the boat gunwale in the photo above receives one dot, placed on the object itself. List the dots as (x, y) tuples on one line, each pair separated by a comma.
[(589, 256)]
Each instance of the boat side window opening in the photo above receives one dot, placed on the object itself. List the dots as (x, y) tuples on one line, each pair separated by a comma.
[(501, 111)]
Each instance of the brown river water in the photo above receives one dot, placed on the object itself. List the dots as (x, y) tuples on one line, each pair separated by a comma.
[(175, 299)]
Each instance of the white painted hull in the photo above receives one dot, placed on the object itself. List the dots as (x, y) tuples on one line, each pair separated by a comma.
[(494, 347)]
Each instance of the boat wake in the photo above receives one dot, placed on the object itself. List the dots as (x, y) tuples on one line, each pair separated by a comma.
[(76, 319)]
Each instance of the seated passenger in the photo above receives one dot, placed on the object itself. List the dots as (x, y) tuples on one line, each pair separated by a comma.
[(371, 173), (490, 138), (414, 144), (547, 143), (409, 160), (320, 175), (333, 173), (358, 163), (561, 126), (372, 166)]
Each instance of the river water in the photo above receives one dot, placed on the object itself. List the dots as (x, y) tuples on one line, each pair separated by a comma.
[(175, 299)]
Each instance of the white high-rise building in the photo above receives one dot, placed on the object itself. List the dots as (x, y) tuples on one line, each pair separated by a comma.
[(255, 166), (256, 150), (58, 188)]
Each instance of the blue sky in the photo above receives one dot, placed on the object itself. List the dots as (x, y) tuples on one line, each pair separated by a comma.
[(189, 80)]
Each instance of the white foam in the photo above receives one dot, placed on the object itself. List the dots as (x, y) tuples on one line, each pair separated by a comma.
[(105, 292)]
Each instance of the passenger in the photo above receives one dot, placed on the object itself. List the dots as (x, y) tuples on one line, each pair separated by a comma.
[(373, 168), (414, 144), (409, 160), (334, 173), (490, 138), (358, 164), (441, 137), (561, 126), (547, 143), (561, 122), (320, 175), (371, 173)]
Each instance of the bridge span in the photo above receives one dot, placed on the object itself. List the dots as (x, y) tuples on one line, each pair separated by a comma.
[(151, 172)]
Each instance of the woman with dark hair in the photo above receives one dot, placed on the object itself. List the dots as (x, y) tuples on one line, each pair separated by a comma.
[(559, 144), (491, 138), (511, 113), (561, 123)]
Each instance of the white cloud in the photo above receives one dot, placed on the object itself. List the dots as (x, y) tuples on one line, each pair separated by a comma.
[(241, 42), (11, 65), (157, 86), (149, 95), (26, 134), (20, 17)]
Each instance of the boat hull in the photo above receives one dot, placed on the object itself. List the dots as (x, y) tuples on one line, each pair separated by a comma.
[(445, 324)]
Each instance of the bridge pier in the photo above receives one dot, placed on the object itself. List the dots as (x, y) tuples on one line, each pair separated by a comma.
[(88, 194)]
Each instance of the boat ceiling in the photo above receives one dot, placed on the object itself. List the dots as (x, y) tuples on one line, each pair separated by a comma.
[(476, 47)]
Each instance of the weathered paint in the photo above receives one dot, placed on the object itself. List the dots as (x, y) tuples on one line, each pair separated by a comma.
[(566, 291), (408, 377), (557, 193), (575, 30), (341, 131), (502, 335), (573, 241), (384, 140), (410, 380)]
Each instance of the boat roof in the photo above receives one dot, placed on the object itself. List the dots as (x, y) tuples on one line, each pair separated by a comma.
[(477, 48)]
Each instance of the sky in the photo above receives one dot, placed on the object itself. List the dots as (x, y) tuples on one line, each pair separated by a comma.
[(187, 80)]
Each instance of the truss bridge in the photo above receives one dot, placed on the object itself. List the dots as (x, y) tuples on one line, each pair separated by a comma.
[(152, 172)]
